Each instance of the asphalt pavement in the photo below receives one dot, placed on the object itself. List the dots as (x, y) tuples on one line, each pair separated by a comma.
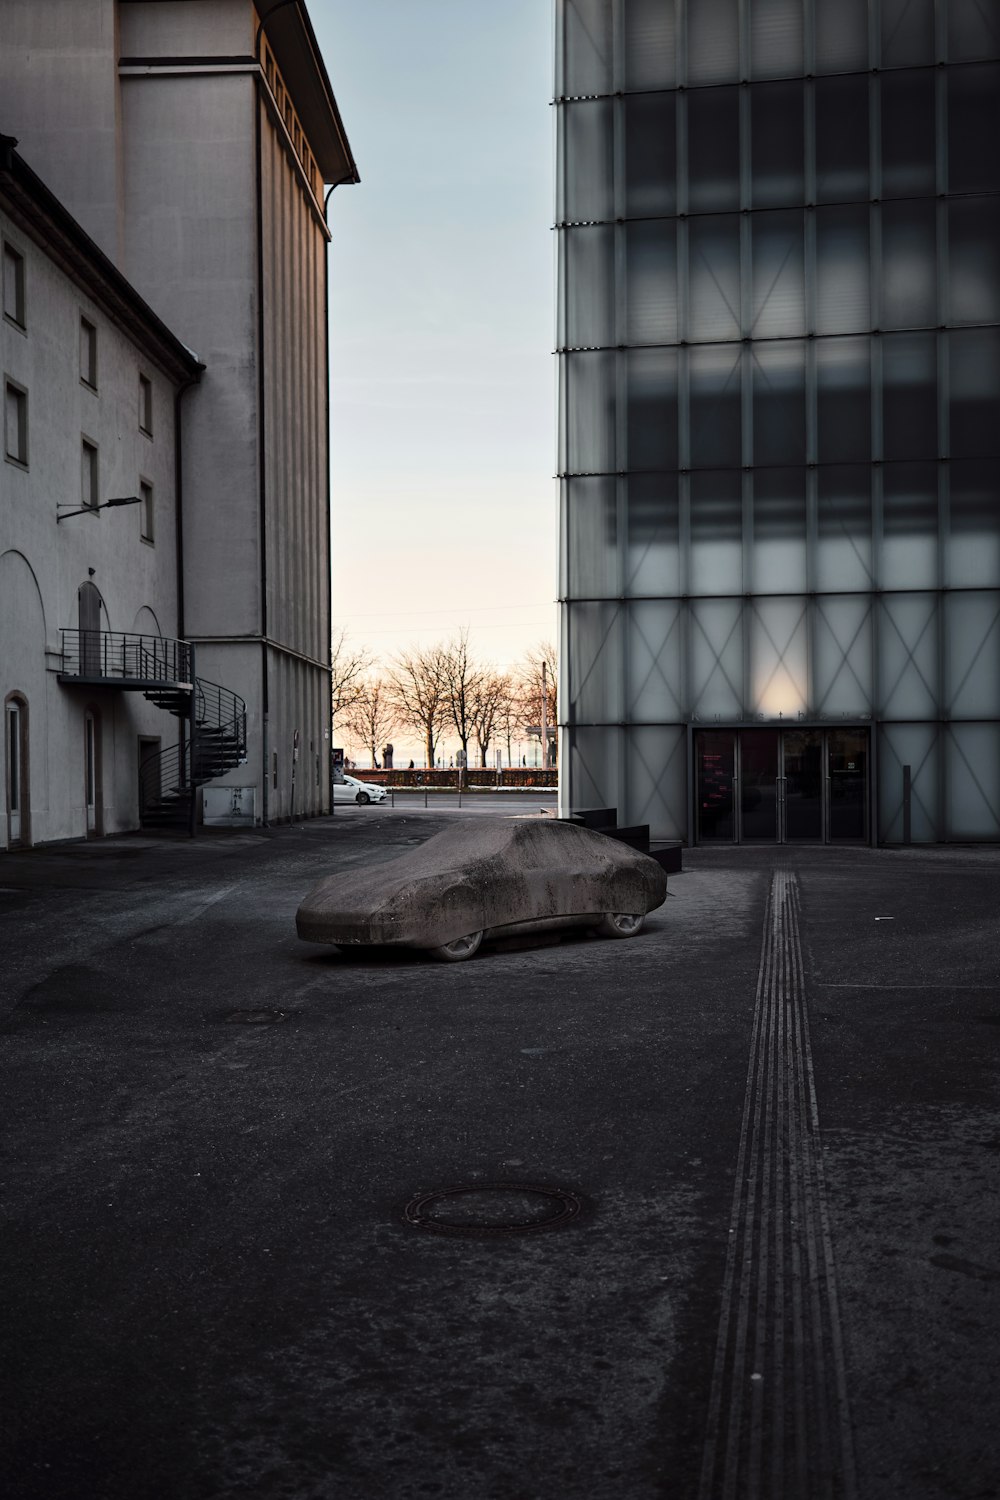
[(768, 1127)]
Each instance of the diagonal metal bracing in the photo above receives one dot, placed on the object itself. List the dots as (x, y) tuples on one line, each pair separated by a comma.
[(915, 777), (973, 777), (655, 655), (954, 695), (910, 655), (845, 656), (779, 651), (717, 655), (615, 612), (657, 776)]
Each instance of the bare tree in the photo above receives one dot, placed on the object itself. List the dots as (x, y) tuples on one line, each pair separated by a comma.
[(494, 709), (348, 665), (418, 685), (372, 714), (462, 678)]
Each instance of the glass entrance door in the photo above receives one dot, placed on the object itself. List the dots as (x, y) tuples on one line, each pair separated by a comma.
[(784, 786)]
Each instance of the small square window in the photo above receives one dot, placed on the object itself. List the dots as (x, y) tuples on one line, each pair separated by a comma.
[(146, 405), (146, 511), (88, 475), (16, 423), (13, 285), (88, 353)]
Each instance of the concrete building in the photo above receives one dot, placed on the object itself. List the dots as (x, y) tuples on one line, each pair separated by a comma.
[(92, 381), (779, 336), (194, 140)]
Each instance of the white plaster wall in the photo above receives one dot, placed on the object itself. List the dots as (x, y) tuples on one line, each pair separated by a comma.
[(59, 97), (162, 28), (45, 561)]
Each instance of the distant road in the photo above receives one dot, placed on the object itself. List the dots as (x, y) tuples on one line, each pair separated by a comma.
[(494, 803)]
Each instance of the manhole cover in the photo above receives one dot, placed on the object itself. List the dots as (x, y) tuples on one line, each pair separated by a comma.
[(257, 1017), (492, 1208)]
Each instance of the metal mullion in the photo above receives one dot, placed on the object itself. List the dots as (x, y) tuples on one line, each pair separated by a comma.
[(944, 433)]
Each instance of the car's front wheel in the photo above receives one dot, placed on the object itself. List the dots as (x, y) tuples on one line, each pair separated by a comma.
[(459, 949), (621, 924), (362, 797)]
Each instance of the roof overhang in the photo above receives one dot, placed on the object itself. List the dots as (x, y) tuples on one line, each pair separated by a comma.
[(289, 31)]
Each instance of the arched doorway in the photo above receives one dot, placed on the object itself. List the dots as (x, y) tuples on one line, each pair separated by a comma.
[(16, 781), (89, 605)]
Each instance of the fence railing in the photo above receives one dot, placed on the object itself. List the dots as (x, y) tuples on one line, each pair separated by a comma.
[(123, 656)]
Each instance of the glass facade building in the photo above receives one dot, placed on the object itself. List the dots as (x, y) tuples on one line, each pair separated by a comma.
[(778, 228)]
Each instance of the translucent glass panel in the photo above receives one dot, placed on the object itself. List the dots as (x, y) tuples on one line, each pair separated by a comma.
[(593, 758), (779, 680), (656, 780), (586, 291), (776, 145), (650, 44), (652, 409), (590, 538), (973, 128), (843, 400), (842, 270), (909, 263), (843, 557), (972, 781), (713, 300), (778, 530), (713, 42), (654, 653), (907, 134), (778, 308), (779, 403), (584, 49), (908, 685), (715, 658), (716, 528), (916, 746), (973, 260), (973, 553), (909, 396), (841, 35), (584, 182), (714, 401), (587, 420), (650, 154), (972, 655), (973, 30), (841, 139), (909, 552), (651, 277), (907, 33), (842, 657), (775, 38), (652, 557), (713, 133), (974, 372), (595, 662)]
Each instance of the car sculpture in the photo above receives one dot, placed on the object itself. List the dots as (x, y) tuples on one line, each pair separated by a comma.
[(483, 879)]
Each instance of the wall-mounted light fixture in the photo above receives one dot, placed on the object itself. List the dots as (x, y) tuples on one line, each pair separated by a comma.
[(89, 510)]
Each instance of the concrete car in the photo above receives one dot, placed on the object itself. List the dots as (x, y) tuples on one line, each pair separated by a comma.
[(353, 790), (485, 879)]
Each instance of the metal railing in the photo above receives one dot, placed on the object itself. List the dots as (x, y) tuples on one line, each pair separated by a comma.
[(122, 656)]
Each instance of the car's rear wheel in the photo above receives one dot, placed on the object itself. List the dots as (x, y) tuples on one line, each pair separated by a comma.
[(621, 924), (362, 797), (459, 949)]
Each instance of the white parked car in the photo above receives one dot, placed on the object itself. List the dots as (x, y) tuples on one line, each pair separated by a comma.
[(353, 790)]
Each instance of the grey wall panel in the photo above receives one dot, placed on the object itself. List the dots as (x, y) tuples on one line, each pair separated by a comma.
[(917, 746)]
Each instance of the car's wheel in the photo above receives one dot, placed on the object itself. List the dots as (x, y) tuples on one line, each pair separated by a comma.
[(621, 924), (362, 797), (459, 949)]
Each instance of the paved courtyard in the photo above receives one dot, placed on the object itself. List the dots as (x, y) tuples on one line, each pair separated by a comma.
[(777, 1107)]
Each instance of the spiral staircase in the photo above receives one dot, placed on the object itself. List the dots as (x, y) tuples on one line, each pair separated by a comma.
[(212, 721)]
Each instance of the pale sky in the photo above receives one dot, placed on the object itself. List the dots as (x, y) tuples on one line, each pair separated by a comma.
[(442, 323)]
